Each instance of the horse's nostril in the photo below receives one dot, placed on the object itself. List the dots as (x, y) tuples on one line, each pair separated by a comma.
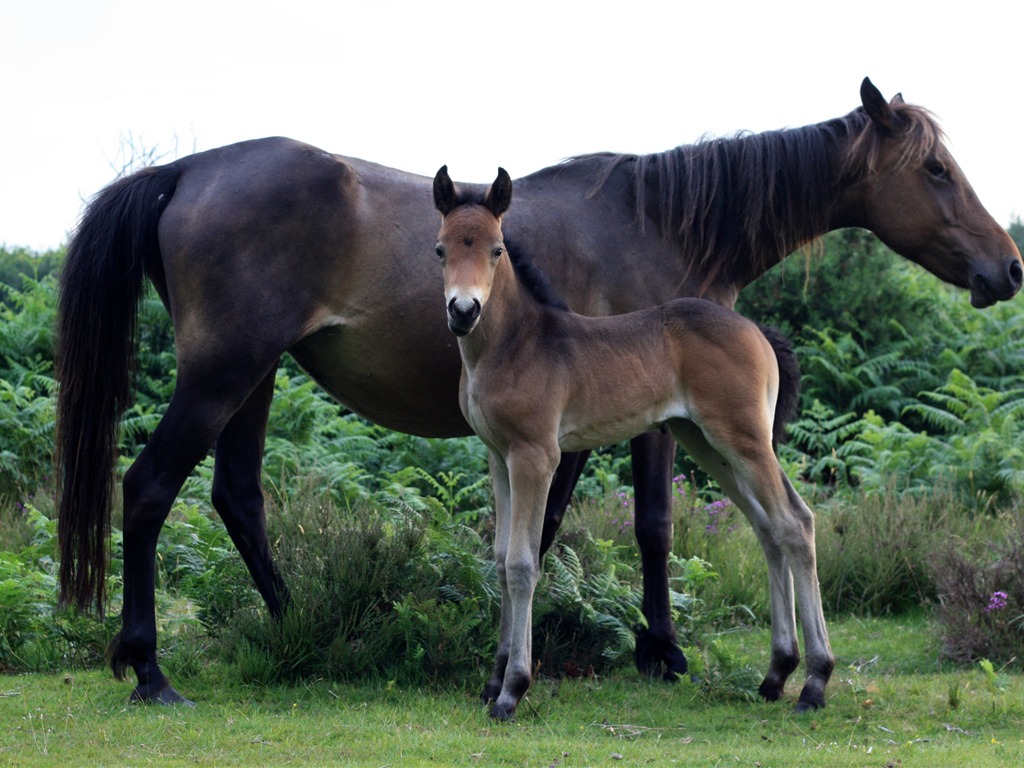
[(1016, 273)]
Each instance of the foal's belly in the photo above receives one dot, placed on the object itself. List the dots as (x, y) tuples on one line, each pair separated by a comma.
[(600, 426)]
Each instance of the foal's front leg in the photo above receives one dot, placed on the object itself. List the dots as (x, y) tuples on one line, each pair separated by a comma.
[(502, 524), (529, 472)]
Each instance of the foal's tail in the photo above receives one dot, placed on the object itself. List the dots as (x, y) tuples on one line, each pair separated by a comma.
[(789, 382), (101, 286)]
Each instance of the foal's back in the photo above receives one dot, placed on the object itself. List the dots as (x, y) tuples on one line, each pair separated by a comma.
[(611, 378)]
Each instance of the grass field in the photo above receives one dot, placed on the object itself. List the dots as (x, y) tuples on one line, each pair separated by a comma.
[(891, 703)]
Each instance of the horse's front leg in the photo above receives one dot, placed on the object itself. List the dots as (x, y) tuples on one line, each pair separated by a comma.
[(530, 470), (657, 649)]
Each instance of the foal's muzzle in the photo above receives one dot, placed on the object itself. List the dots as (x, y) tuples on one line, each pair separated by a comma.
[(463, 315)]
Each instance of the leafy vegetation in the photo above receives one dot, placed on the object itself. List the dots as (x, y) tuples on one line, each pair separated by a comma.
[(908, 446)]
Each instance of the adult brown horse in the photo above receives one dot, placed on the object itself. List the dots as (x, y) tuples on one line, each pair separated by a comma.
[(273, 246), (538, 379)]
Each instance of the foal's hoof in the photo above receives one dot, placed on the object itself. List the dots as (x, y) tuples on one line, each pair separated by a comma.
[(803, 707), (166, 696), (490, 693), (810, 701), (503, 712), (770, 690)]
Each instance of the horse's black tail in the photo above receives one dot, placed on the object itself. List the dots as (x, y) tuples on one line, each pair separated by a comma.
[(789, 382), (101, 286)]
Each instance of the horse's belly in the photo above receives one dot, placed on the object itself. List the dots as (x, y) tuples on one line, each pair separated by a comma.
[(404, 381)]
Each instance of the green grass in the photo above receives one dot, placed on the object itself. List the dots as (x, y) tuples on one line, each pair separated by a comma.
[(903, 708)]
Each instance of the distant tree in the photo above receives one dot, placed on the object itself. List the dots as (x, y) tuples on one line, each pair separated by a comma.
[(848, 282), (1016, 230), (18, 263)]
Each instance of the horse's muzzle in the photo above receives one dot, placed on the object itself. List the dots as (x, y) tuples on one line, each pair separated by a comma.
[(463, 315), (986, 291)]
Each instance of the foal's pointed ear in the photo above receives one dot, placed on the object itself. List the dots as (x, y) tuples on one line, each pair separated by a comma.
[(877, 107), (499, 196), (444, 191)]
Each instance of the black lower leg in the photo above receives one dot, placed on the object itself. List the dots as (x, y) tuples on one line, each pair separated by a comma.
[(657, 649)]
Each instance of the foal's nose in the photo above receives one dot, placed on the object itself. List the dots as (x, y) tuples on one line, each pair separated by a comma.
[(463, 315)]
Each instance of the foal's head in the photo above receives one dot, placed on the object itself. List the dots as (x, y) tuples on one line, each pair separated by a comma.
[(469, 245)]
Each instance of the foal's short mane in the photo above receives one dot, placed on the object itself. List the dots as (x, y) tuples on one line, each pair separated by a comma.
[(532, 277), (739, 203)]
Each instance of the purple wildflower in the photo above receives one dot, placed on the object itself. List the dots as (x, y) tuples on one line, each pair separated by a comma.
[(997, 602)]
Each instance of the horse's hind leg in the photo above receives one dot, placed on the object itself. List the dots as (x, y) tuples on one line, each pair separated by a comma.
[(566, 476), (656, 645), (238, 492), (197, 413)]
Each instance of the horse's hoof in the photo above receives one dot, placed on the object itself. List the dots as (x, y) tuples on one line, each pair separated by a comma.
[(659, 657), (166, 696)]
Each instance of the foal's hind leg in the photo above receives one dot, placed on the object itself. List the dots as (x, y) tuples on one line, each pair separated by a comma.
[(785, 654), (656, 645), (238, 492)]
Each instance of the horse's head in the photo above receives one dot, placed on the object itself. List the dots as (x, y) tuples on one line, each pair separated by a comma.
[(469, 245), (913, 195)]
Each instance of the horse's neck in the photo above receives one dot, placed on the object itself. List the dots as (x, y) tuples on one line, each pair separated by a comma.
[(771, 212)]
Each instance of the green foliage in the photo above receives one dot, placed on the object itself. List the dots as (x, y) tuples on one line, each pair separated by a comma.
[(874, 550), (34, 634), (26, 388), (981, 594), (19, 267), (585, 607), (847, 282), (385, 593)]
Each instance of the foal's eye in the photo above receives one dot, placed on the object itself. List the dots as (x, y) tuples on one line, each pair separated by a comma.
[(439, 250), (496, 253)]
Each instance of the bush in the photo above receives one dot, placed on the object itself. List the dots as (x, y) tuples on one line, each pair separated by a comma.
[(376, 592), (874, 550), (981, 596)]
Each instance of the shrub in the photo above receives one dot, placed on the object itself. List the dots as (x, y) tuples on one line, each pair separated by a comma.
[(376, 592), (981, 596), (874, 549)]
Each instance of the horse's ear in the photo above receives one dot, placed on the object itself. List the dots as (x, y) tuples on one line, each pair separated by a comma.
[(499, 196), (877, 107), (444, 191), (897, 99)]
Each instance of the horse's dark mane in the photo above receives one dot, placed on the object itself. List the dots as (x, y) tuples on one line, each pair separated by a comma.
[(737, 204)]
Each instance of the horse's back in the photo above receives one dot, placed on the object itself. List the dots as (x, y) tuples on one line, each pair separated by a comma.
[(273, 246)]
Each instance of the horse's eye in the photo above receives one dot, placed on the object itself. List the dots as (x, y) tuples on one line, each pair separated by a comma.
[(938, 171), (439, 250), (496, 253)]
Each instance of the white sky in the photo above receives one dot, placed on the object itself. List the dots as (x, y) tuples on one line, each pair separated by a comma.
[(479, 84)]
